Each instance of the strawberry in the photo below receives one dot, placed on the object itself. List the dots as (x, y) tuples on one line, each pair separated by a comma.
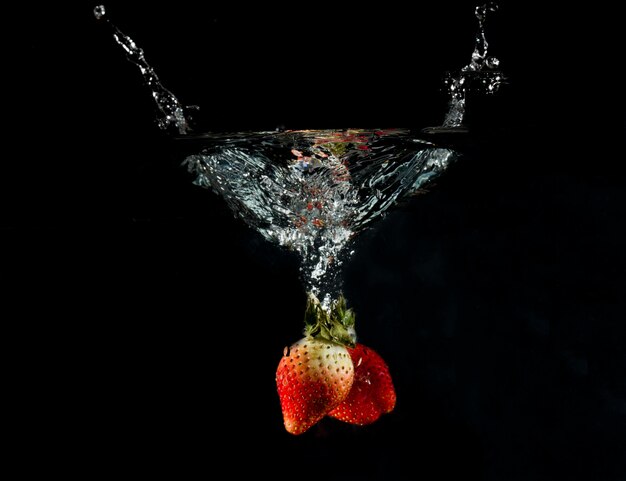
[(372, 392), (316, 373), (313, 377)]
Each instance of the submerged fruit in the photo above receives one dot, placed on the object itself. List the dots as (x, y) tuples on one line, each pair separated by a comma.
[(313, 377), (327, 373), (372, 393)]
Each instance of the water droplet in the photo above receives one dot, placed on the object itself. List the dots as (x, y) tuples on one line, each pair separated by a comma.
[(99, 11), (492, 62)]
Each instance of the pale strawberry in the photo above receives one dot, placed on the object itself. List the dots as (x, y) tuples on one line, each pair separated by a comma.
[(372, 393), (313, 377), (316, 373)]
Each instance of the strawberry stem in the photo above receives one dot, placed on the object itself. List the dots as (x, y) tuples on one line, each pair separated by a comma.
[(335, 325)]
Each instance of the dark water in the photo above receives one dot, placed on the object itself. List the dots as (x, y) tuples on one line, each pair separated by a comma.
[(497, 298)]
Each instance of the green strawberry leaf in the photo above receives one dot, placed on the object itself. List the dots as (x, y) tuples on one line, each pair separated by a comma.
[(335, 325)]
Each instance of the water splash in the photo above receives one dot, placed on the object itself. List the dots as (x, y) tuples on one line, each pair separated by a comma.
[(480, 59), (313, 191), (310, 191), (171, 112), (480, 75)]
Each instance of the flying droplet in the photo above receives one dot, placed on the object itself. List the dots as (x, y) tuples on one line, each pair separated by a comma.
[(99, 11), (492, 62)]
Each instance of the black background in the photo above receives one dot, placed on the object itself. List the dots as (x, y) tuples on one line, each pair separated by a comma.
[(144, 323)]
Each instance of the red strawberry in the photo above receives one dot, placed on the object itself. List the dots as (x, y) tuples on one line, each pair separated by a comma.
[(372, 392), (313, 377)]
